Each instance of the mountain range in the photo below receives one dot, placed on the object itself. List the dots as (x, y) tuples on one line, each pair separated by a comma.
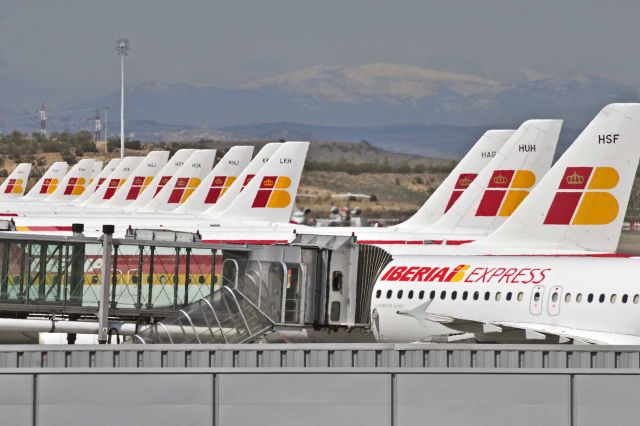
[(397, 107)]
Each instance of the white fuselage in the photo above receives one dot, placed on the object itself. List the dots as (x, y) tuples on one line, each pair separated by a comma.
[(596, 298)]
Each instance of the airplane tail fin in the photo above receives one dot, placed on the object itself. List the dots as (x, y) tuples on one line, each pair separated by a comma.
[(98, 180), (113, 181), (581, 203), (504, 182), (48, 182), (271, 194), (218, 181), (97, 168), (74, 182), (185, 181), (139, 180), (459, 179), (238, 185), (162, 178), (14, 185)]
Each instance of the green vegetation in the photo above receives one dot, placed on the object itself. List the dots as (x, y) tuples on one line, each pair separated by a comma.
[(22, 148)]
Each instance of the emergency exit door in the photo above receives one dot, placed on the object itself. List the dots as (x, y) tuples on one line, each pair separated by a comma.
[(555, 298), (537, 299)]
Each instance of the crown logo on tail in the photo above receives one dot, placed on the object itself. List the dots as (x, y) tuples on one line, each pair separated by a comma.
[(500, 180), (268, 182), (575, 179), (464, 182)]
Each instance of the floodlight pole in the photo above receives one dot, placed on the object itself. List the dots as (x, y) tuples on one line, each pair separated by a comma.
[(122, 47)]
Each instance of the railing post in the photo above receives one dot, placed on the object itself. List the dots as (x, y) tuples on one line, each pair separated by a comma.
[(114, 277), (103, 309)]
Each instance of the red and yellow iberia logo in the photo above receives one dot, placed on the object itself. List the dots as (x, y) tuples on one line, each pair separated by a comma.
[(247, 179), (219, 186), (463, 182), (163, 181), (14, 186), (183, 189), (114, 184), (140, 183), (583, 197), (49, 185), (506, 190), (75, 186), (273, 192)]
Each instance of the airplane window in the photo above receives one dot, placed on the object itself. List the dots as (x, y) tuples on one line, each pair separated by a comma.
[(625, 298), (454, 294), (465, 294), (508, 296), (613, 298), (476, 295), (579, 298), (520, 296), (536, 296), (378, 294), (498, 295), (554, 297), (421, 294), (399, 294), (590, 298), (389, 293), (601, 298), (443, 294), (636, 299), (567, 297), (410, 294), (432, 295), (487, 295)]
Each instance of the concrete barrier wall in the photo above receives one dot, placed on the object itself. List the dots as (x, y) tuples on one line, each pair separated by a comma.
[(318, 385), (171, 397)]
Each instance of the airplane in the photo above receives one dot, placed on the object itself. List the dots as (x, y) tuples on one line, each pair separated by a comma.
[(269, 225), (14, 185), (47, 184), (549, 273)]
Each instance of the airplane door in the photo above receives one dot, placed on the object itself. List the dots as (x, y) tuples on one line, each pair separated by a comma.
[(555, 297), (537, 298)]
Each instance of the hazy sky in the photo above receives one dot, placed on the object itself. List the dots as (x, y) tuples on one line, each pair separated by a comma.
[(68, 45)]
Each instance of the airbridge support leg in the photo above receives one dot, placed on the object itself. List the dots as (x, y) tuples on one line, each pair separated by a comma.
[(105, 285)]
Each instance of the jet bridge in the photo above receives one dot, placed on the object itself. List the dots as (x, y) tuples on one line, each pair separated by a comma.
[(316, 289), (169, 287)]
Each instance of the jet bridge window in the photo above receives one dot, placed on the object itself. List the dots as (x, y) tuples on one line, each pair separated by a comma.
[(625, 297)]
